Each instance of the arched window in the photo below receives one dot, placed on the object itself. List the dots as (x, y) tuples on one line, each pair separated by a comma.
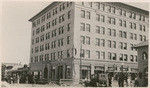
[(144, 56)]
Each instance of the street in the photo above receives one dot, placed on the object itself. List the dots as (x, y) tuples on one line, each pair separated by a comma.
[(114, 84)]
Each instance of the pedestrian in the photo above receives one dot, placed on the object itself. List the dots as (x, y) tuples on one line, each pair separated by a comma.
[(129, 81), (26, 79), (136, 84), (109, 79), (33, 80), (11, 80), (121, 80), (18, 79)]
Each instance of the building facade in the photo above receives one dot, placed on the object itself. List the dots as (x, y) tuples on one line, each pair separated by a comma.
[(73, 38), (142, 63)]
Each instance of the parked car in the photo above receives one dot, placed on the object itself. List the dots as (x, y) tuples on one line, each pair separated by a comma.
[(97, 80)]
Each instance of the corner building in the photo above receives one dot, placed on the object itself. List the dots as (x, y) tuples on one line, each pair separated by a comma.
[(95, 35)]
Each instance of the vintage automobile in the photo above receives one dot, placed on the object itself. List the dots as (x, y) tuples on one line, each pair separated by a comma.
[(97, 80)]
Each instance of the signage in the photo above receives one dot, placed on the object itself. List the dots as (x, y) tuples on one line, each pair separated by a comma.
[(68, 66)]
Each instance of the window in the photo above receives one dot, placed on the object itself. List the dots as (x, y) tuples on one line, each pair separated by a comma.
[(88, 27), (109, 20), (32, 41), (102, 7), (97, 17), (121, 45), (130, 14), (68, 40), (102, 30), (124, 34), (68, 53), (131, 47), (102, 18), (113, 9), (98, 5), (89, 4), (114, 44), (109, 43), (82, 40), (131, 58), (63, 19), (82, 14), (113, 56), (124, 13), (102, 55), (120, 22), (88, 15), (120, 11), (109, 8), (88, 40), (140, 27), (144, 38), (113, 32), (121, 57), (88, 53), (109, 31), (103, 42), (98, 29), (69, 12), (82, 27), (124, 23), (130, 25), (141, 38), (134, 16), (135, 36), (69, 26), (125, 46), (82, 52), (125, 57), (131, 35), (134, 25), (97, 42), (143, 28), (109, 55), (136, 60), (97, 54), (144, 56), (62, 42)]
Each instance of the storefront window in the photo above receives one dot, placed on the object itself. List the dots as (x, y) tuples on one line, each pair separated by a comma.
[(68, 72), (86, 72)]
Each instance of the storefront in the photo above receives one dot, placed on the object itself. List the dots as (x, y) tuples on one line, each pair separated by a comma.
[(99, 69), (86, 72)]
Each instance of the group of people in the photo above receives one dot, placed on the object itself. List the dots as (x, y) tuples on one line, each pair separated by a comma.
[(124, 80)]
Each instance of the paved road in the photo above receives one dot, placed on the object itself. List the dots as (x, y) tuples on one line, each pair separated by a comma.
[(114, 84)]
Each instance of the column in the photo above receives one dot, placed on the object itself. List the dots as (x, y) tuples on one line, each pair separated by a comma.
[(92, 69), (64, 71), (76, 73)]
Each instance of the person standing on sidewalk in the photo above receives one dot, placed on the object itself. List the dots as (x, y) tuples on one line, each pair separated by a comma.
[(129, 81), (109, 79), (121, 80)]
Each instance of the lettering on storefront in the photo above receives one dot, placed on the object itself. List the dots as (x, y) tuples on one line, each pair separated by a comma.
[(99, 68)]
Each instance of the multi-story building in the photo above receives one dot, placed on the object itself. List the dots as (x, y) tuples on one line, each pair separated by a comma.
[(72, 40)]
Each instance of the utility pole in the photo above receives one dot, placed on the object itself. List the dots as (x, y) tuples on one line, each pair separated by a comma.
[(80, 62)]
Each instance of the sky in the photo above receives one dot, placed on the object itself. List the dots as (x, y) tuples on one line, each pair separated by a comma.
[(16, 29)]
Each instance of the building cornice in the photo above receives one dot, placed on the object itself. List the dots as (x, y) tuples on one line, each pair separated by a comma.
[(50, 6)]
